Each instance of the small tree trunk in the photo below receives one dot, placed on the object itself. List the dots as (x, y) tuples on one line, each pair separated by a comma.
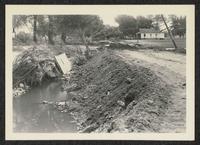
[(13, 29), (84, 41), (63, 37), (34, 28), (50, 31), (87, 55)]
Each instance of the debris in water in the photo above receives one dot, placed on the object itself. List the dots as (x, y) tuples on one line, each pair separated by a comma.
[(33, 66)]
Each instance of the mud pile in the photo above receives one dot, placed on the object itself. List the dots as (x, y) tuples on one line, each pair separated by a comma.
[(108, 95)]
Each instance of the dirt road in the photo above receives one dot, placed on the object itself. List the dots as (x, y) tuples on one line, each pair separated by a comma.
[(171, 68)]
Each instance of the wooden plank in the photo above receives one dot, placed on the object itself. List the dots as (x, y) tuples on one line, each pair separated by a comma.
[(64, 63)]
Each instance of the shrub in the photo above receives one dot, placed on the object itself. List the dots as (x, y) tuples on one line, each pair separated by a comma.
[(24, 38)]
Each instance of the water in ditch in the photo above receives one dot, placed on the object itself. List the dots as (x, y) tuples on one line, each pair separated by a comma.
[(31, 115)]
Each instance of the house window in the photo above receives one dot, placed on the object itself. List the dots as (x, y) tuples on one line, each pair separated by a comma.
[(144, 35), (150, 35)]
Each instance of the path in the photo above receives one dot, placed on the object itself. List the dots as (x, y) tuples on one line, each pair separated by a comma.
[(171, 68)]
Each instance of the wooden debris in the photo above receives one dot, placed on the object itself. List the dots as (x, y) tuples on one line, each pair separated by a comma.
[(64, 63)]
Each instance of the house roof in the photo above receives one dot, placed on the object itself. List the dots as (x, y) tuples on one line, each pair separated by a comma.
[(149, 31)]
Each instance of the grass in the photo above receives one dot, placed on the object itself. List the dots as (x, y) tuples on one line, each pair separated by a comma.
[(166, 43)]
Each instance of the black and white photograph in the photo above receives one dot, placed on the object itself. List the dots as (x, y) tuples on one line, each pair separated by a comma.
[(100, 70)]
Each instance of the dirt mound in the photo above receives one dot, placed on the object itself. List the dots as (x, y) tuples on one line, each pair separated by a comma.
[(109, 95), (125, 45), (120, 46)]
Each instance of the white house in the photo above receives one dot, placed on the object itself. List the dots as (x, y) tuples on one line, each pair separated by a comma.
[(150, 34)]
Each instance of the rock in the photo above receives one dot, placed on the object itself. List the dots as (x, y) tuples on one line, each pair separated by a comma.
[(18, 91), (61, 106), (128, 80), (121, 103), (44, 102), (90, 128), (21, 85), (113, 126), (150, 102), (61, 103), (108, 93), (47, 102), (99, 106), (134, 102)]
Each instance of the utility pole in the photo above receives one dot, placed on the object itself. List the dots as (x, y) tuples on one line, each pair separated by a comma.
[(169, 32)]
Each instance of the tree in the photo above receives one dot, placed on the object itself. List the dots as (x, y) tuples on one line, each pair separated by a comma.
[(51, 30), (127, 24), (156, 21), (86, 26), (143, 22), (18, 21), (109, 32), (64, 26), (34, 28), (130, 25), (178, 25), (43, 26), (22, 20), (47, 27)]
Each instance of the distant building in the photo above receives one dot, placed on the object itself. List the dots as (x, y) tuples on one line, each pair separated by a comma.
[(150, 34)]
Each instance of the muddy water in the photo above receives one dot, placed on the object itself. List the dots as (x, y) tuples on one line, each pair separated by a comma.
[(30, 115)]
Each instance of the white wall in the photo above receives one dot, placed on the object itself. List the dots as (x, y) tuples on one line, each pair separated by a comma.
[(152, 35)]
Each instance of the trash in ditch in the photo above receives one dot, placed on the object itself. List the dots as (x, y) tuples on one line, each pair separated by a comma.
[(63, 63)]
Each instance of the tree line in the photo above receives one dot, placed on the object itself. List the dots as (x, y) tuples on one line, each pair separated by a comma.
[(130, 25), (89, 27)]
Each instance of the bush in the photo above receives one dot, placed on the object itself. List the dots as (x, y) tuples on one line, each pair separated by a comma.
[(23, 38)]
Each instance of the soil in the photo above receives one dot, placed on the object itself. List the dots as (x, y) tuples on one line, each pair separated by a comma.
[(129, 91)]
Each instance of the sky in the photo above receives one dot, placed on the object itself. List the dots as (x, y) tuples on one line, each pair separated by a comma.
[(109, 19)]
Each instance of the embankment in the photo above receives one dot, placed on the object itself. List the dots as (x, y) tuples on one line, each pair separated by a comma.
[(109, 95)]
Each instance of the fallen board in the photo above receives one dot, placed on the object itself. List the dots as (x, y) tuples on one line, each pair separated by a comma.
[(64, 63)]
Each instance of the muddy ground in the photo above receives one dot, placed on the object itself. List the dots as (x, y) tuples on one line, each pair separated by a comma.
[(129, 91)]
